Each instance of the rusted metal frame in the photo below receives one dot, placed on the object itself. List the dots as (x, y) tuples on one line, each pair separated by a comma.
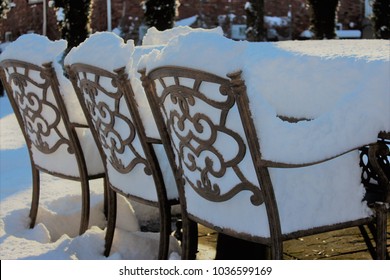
[(138, 130), (198, 77), (66, 176), (88, 125), (150, 91), (35, 196), (111, 220), (381, 210), (34, 170), (50, 81), (20, 80), (380, 234), (121, 81), (232, 232), (327, 228), (213, 192), (274, 164), (74, 71), (109, 128), (83, 69), (75, 143), (299, 165), (378, 229), (110, 194), (367, 240), (262, 172), (164, 207), (187, 240), (378, 158), (277, 253), (152, 140)]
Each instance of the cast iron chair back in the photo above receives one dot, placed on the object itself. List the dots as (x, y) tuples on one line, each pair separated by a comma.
[(35, 97), (209, 135), (108, 100)]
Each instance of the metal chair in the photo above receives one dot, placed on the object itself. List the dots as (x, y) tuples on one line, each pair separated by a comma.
[(56, 145), (131, 158), (207, 129)]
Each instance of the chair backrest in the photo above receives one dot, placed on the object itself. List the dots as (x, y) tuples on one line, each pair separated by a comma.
[(205, 124), (34, 94), (107, 99)]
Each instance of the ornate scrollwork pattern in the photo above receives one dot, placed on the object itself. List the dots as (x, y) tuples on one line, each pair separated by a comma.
[(33, 95), (112, 120), (207, 152), (375, 164)]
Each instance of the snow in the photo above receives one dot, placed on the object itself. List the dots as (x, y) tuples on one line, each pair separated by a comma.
[(156, 37), (187, 21), (39, 50), (335, 83), (276, 21), (55, 235), (342, 86), (104, 45)]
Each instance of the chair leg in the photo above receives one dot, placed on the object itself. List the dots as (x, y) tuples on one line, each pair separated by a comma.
[(105, 197), (165, 231), (277, 250), (190, 239), (35, 196), (85, 205), (111, 220), (381, 230)]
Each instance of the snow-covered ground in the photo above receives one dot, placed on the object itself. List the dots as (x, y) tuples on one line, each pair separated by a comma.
[(326, 81), (55, 235)]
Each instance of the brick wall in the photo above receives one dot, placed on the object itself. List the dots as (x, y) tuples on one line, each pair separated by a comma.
[(24, 18)]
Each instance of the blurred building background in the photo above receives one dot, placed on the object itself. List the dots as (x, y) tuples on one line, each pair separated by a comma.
[(284, 19)]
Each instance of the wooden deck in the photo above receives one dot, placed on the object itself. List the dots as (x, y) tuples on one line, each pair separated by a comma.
[(346, 244)]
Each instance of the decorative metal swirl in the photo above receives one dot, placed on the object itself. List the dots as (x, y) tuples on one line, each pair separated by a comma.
[(375, 164), (37, 106), (111, 119), (196, 138)]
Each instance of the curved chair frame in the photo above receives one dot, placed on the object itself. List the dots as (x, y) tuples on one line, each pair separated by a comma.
[(102, 118), (39, 131), (181, 127)]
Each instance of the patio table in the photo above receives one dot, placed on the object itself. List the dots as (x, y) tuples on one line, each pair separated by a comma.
[(338, 88)]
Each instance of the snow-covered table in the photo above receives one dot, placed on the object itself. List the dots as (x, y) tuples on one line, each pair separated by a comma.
[(340, 87)]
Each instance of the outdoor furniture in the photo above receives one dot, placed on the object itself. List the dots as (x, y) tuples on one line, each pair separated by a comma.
[(211, 140), (131, 158), (375, 163), (57, 145)]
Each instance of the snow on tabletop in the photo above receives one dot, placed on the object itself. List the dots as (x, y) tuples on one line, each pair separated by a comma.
[(155, 37), (345, 93)]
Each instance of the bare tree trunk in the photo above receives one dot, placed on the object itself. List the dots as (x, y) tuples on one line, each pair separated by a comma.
[(255, 20), (160, 13), (323, 18)]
